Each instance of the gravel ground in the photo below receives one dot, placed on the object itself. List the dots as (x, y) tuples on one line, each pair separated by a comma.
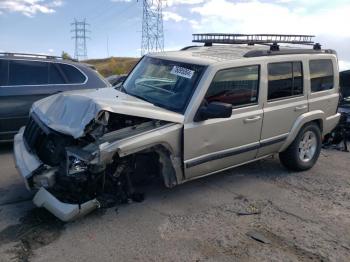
[(258, 212)]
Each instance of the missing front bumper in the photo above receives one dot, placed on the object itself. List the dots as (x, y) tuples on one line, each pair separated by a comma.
[(63, 211)]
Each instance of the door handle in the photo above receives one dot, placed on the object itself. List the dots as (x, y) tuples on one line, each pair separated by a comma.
[(300, 108), (252, 119)]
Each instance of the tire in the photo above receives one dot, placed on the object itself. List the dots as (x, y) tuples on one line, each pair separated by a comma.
[(303, 153)]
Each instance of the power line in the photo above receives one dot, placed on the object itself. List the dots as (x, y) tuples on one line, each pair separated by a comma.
[(120, 16), (80, 34), (152, 27)]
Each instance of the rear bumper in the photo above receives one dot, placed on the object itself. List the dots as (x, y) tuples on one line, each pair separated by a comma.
[(330, 123)]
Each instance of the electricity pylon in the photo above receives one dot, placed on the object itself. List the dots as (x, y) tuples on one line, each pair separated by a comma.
[(152, 27), (80, 34)]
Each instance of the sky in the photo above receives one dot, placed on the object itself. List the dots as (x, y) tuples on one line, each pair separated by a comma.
[(44, 26)]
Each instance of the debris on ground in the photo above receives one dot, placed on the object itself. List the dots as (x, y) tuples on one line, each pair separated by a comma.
[(258, 236), (251, 210)]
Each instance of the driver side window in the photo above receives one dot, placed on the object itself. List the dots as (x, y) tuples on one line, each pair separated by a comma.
[(236, 86)]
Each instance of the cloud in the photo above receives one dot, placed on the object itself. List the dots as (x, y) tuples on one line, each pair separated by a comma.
[(29, 7), (167, 15), (184, 2), (127, 1), (254, 16), (344, 65)]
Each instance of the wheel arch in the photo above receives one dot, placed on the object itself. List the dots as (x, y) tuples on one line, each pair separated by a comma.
[(171, 167), (317, 116)]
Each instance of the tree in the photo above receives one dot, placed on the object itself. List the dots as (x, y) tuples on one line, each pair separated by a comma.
[(65, 55)]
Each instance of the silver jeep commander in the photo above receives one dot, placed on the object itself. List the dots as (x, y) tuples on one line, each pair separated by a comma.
[(181, 115)]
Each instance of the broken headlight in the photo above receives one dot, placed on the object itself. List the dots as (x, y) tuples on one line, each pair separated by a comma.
[(75, 164)]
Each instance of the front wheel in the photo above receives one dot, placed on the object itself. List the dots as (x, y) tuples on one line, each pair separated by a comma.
[(303, 153)]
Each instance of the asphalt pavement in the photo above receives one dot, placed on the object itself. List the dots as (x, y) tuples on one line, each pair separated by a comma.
[(258, 212)]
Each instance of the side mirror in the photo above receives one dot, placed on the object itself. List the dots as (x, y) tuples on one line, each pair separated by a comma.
[(213, 110)]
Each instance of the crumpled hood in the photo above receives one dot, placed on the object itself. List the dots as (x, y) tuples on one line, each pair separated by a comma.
[(70, 112)]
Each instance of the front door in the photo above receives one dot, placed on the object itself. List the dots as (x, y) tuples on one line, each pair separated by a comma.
[(217, 144)]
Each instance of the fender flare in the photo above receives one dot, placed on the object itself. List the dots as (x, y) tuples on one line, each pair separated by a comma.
[(316, 115)]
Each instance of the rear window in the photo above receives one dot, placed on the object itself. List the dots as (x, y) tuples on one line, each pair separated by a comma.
[(3, 72), (28, 73), (321, 75), (72, 74), (285, 80)]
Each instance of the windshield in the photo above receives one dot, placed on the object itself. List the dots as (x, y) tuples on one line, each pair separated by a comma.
[(167, 84)]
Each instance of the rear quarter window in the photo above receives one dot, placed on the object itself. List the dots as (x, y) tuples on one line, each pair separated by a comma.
[(72, 74), (321, 75)]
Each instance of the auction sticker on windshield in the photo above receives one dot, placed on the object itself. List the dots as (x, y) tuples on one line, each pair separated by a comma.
[(183, 72)]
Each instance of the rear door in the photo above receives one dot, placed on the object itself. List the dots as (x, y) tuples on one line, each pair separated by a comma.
[(286, 100), (26, 82)]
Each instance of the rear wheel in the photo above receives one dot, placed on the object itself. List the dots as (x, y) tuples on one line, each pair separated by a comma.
[(303, 153)]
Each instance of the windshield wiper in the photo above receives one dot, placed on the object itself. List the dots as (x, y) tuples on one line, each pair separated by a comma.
[(121, 88), (140, 97)]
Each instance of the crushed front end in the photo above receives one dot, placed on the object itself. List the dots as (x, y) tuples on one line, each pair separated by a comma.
[(69, 175)]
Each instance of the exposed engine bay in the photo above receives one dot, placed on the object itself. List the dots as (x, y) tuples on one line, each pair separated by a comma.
[(72, 169)]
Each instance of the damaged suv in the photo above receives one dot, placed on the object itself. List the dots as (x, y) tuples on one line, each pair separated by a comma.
[(180, 116)]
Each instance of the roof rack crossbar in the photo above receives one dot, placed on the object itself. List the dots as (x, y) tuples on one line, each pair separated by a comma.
[(251, 39), (33, 55)]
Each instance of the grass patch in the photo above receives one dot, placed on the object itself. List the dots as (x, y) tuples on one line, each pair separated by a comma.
[(113, 65)]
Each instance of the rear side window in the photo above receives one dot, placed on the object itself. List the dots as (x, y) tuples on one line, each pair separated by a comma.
[(3, 72), (72, 74), (28, 73), (236, 86), (55, 75), (321, 75), (285, 80)]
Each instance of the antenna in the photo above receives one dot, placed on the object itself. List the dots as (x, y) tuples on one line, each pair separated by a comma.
[(80, 32), (152, 27)]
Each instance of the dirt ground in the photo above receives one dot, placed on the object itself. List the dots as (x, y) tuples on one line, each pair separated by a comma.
[(258, 212)]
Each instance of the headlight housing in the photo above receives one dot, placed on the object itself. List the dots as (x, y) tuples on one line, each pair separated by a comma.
[(75, 164)]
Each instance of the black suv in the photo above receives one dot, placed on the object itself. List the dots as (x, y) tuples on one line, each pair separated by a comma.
[(25, 79)]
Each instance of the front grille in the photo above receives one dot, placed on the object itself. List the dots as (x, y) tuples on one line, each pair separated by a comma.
[(47, 144), (33, 135)]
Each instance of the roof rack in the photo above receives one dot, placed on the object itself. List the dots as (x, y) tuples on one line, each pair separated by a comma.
[(27, 55), (251, 39)]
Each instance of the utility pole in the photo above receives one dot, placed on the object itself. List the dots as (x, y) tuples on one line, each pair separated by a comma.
[(152, 27), (107, 45), (80, 34)]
